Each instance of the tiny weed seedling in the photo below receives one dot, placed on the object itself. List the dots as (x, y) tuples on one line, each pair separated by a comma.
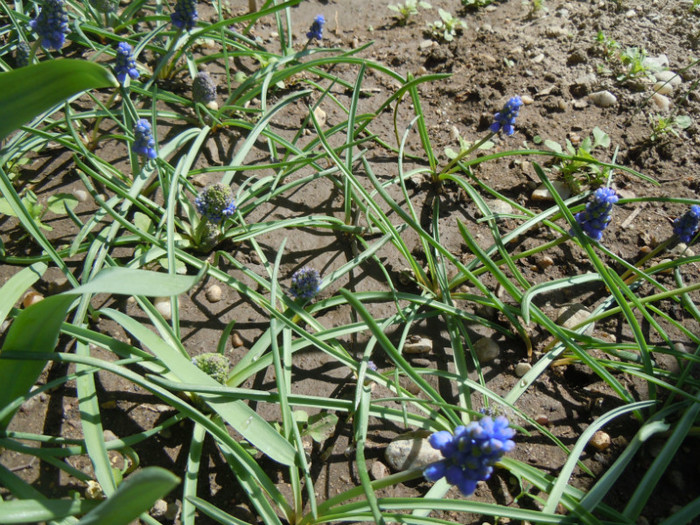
[(607, 46), (405, 11), (475, 4), (580, 170), (633, 64), (445, 29), (662, 126)]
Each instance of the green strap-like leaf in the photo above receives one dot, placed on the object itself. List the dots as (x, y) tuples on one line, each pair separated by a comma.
[(136, 495), (27, 91)]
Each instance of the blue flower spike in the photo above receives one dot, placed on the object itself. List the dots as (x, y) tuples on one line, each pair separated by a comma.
[(144, 143), (686, 226), (305, 283), (505, 119), (126, 65), (215, 203), (316, 30), (185, 14), (596, 217), (51, 24), (470, 453)]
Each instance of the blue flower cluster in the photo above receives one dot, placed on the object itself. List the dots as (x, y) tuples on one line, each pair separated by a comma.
[(505, 119), (125, 63), (144, 143), (185, 15), (316, 30), (22, 53), (470, 453), (687, 225), (305, 283), (595, 218), (215, 203), (51, 24)]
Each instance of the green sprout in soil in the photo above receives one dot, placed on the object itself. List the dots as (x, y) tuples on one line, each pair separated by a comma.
[(445, 29), (406, 11)]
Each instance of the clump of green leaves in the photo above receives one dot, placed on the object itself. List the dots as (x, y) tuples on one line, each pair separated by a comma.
[(633, 64), (56, 203), (661, 126), (405, 11), (534, 7), (475, 4), (575, 172), (607, 46), (445, 29)]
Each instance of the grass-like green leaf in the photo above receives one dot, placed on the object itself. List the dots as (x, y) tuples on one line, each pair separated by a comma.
[(27, 91), (136, 495)]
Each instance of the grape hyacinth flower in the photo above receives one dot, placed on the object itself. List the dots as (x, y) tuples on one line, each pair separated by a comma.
[(204, 90), (305, 283), (470, 453), (51, 24), (595, 218), (144, 143), (22, 53), (125, 63), (215, 203), (505, 119), (316, 30), (185, 15), (687, 225)]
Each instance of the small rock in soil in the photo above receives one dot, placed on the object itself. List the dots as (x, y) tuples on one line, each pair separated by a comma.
[(162, 304), (661, 102), (160, 507), (378, 470), (603, 99), (673, 78), (236, 340), (418, 345), (498, 206), (59, 285), (416, 452), (600, 441), (541, 193), (31, 298), (320, 116), (213, 293), (572, 315), (542, 419), (81, 195), (522, 368), (486, 349), (544, 262)]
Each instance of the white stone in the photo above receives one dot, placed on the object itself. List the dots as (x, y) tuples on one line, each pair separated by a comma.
[(410, 453), (418, 345), (162, 304), (663, 88), (378, 470), (603, 99), (81, 195), (541, 193), (486, 349), (498, 206), (320, 116), (572, 315), (657, 62), (213, 293), (661, 102), (671, 77), (522, 368)]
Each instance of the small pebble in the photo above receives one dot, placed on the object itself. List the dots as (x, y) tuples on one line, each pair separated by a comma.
[(416, 452), (527, 100), (486, 349), (160, 507), (59, 285), (673, 78), (213, 293), (544, 262), (320, 116), (522, 368), (601, 441), (542, 419), (661, 102), (378, 470), (418, 345), (603, 99), (572, 315), (236, 340), (31, 298), (541, 193), (81, 195), (162, 304)]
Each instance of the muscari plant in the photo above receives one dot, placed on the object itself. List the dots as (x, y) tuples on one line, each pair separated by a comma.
[(201, 390)]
